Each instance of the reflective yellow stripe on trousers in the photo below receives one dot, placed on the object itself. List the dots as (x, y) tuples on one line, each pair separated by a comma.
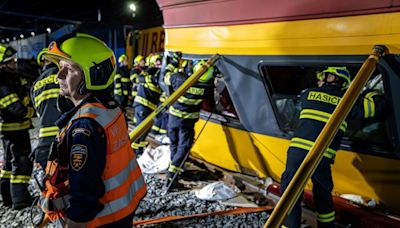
[(5, 174), (329, 217), (20, 179)]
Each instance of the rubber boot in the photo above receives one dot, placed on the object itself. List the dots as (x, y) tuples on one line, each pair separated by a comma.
[(5, 192), (168, 179), (175, 184), (21, 197)]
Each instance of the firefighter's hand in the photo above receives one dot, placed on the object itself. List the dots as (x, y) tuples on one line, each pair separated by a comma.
[(71, 224)]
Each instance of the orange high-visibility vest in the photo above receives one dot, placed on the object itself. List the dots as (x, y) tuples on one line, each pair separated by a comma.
[(122, 177)]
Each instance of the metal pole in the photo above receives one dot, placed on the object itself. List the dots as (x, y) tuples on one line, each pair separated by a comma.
[(314, 156), (148, 122)]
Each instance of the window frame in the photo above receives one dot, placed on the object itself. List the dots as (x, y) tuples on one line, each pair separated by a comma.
[(317, 62)]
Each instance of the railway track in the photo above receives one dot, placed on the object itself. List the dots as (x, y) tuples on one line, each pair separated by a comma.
[(184, 202)]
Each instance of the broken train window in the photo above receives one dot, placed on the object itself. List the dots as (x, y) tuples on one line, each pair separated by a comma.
[(285, 83)]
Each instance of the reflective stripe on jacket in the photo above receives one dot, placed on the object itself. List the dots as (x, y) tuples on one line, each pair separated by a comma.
[(318, 105), (123, 180), (148, 90), (15, 112), (44, 94), (189, 104), (122, 83)]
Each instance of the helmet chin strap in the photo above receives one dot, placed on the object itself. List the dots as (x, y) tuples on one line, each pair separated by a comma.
[(335, 83), (82, 88)]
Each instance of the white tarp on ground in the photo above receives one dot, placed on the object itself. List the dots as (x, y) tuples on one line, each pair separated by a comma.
[(155, 160), (163, 139), (359, 199), (217, 191)]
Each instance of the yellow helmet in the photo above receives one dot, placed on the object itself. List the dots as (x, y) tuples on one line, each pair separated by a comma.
[(340, 72), (208, 75), (138, 59), (148, 60), (6, 53), (90, 53), (122, 58), (154, 59), (183, 63), (39, 58)]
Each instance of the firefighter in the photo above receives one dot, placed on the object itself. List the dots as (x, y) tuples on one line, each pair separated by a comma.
[(183, 115), (122, 84), (147, 98), (161, 122), (317, 105), (138, 68), (173, 66), (91, 160), (44, 94), (15, 114)]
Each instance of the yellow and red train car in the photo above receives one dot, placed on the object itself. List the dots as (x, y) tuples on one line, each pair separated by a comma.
[(144, 42), (270, 52)]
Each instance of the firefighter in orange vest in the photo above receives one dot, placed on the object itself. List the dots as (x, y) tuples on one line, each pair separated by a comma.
[(92, 177)]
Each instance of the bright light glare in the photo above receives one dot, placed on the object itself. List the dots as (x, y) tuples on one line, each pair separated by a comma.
[(48, 30), (32, 33), (132, 7)]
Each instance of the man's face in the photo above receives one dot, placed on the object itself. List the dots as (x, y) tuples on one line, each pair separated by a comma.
[(142, 63), (10, 65), (124, 63), (69, 77), (328, 77), (157, 63)]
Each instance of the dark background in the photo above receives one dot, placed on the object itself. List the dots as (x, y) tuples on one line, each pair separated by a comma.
[(26, 16)]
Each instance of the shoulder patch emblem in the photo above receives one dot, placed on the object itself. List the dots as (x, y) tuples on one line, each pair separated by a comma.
[(81, 131), (78, 156)]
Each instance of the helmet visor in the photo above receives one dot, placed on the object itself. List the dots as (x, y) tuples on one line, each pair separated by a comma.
[(54, 53)]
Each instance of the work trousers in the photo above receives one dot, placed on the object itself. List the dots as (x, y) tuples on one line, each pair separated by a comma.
[(160, 125), (41, 152), (322, 189), (17, 168), (141, 112), (181, 142)]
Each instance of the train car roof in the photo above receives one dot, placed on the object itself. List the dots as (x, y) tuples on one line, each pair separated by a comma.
[(264, 27)]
